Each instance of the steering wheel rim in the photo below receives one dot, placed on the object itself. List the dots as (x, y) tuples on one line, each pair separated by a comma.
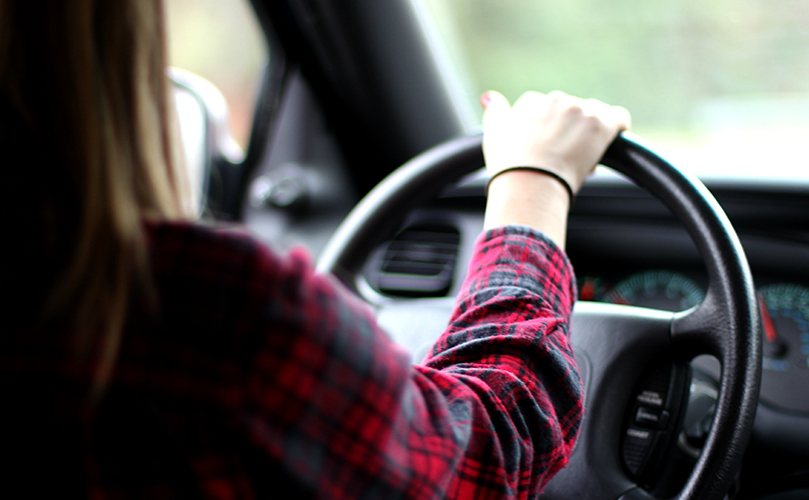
[(725, 324)]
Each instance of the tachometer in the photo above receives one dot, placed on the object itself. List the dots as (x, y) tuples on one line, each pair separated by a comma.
[(785, 336), (659, 289), (592, 288)]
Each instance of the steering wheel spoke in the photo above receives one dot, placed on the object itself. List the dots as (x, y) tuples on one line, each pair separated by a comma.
[(614, 346)]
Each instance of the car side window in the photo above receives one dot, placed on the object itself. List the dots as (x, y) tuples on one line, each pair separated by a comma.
[(222, 41)]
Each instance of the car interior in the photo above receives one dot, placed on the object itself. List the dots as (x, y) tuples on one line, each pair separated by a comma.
[(693, 286)]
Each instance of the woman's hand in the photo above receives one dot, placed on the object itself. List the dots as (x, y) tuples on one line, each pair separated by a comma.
[(555, 132)]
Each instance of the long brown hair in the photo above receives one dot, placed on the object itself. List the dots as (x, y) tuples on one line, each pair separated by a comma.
[(83, 94)]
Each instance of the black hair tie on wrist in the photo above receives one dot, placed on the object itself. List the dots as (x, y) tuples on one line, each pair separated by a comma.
[(545, 171)]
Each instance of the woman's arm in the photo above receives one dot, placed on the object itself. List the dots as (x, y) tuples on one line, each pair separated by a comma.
[(495, 409), (509, 329), (507, 353)]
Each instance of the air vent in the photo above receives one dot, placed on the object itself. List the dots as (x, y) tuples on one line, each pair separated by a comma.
[(420, 261)]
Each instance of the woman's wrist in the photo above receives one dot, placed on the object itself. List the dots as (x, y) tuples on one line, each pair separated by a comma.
[(564, 182), (528, 198)]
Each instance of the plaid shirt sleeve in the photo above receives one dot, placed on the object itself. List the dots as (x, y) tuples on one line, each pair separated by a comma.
[(492, 412)]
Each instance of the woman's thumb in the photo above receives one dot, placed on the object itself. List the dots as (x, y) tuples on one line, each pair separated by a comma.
[(495, 110)]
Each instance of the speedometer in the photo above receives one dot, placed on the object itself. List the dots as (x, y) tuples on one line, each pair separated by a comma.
[(658, 289), (785, 331)]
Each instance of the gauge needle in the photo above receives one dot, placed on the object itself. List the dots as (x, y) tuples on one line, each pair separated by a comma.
[(766, 320), (588, 290), (619, 299)]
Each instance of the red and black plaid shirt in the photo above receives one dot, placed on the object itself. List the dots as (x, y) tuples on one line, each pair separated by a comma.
[(259, 376)]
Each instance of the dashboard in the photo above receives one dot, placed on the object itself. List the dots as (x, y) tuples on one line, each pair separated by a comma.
[(627, 248)]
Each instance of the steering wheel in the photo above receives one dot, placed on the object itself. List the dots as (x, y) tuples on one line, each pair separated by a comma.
[(613, 343)]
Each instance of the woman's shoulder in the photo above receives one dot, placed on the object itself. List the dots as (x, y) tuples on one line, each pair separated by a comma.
[(217, 255), (209, 275), (209, 241), (222, 280), (200, 235)]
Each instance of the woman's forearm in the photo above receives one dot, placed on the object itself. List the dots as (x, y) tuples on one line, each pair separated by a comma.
[(528, 198)]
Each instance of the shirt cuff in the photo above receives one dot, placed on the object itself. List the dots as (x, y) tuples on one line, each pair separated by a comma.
[(524, 245)]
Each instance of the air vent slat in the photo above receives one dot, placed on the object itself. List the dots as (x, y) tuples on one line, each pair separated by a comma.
[(418, 269), (420, 261)]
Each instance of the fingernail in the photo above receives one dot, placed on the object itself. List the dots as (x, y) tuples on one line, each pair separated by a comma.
[(485, 99)]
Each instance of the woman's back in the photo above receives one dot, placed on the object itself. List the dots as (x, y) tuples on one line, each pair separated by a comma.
[(257, 376), (172, 422)]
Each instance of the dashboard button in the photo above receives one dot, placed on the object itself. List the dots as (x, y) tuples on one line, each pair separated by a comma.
[(651, 398), (637, 443), (651, 417)]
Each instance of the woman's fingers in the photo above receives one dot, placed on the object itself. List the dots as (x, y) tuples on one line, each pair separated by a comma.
[(622, 118), (496, 112)]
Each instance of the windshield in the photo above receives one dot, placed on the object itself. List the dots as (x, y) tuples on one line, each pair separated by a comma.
[(721, 87)]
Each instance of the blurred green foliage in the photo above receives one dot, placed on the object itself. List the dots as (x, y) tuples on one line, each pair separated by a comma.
[(663, 60)]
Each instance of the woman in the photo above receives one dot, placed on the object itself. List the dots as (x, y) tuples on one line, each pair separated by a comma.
[(158, 358)]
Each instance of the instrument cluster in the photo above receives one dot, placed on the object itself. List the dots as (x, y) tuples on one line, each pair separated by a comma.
[(784, 309)]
